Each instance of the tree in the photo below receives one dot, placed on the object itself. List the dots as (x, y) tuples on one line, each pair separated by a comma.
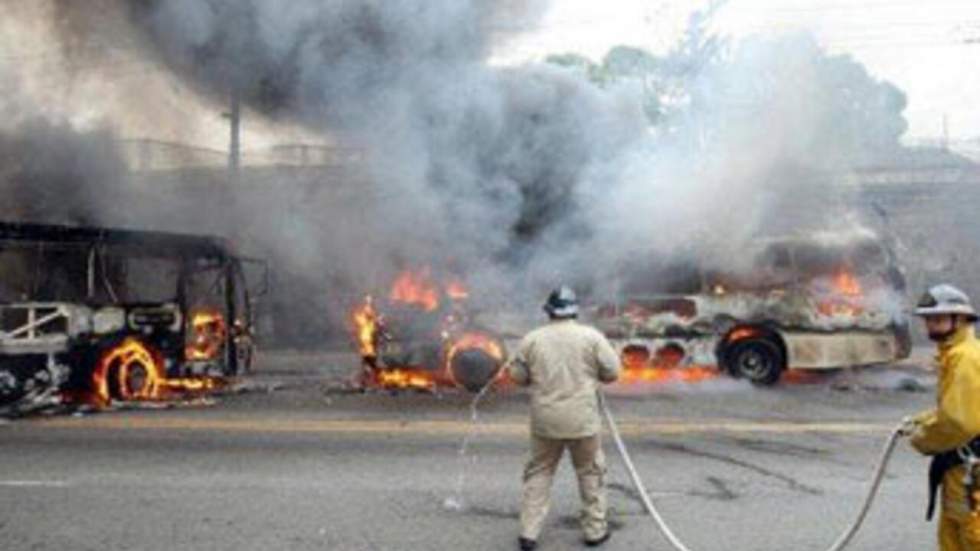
[(665, 80), (707, 90)]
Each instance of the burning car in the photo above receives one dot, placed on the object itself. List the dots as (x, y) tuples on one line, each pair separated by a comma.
[(97, 315), (421, 335), (818, 302)]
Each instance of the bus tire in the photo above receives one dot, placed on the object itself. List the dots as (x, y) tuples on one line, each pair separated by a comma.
[(760, 361)]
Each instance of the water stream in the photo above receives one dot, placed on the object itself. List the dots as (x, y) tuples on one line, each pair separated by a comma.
[(456, 501)]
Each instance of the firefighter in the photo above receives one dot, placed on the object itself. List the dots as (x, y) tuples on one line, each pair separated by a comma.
[(949, 432), (563, 363)]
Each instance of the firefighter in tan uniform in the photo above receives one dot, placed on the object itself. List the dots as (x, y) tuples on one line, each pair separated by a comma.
[(949, 432), (563, 363)]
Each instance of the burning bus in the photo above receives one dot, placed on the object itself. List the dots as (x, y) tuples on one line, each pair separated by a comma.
[(819, 302), (421, 335), (101, 315)]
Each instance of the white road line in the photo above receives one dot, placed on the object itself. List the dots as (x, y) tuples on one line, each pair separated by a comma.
[(34, 483), (513, 427)]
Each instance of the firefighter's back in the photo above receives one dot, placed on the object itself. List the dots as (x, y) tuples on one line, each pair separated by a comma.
[(566, 361)]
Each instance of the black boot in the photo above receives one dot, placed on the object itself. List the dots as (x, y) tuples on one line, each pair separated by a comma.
[(599, 541), (526, 544)]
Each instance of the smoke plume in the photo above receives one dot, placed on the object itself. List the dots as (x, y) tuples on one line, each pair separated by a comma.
[(517, 177), (470, 166), (54, 174)]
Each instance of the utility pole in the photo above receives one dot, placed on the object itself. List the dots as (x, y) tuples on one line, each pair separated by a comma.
[(945, 132), (224, 194), (234, 116)]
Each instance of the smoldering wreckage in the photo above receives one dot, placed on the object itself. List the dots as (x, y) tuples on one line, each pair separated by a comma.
[(79, 327), (95, 325), (814, 303), (118, 315)]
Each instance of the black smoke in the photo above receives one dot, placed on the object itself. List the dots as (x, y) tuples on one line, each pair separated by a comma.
[(52, 173)]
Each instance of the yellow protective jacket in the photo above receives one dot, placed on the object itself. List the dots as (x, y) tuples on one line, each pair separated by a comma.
[(956, 418), (563, 363)]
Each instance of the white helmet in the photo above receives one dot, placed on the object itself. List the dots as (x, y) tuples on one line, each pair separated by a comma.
[(945, 299), (562, 303)]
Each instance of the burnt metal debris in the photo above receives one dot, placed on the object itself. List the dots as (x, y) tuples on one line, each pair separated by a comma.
[(97, 315), (422, 336), (813, 302)]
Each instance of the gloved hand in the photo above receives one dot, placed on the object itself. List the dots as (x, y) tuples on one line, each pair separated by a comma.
[(909, 426)]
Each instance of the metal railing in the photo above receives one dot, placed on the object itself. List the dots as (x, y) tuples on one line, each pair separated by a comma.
[(38, 327), (143, 155)]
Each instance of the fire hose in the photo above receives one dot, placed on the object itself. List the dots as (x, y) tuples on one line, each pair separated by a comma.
[(676, 543)]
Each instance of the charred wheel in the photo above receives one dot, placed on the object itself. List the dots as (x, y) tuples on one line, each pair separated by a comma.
[(129, 371), (11, 388), (759, 360), (130, 380), (473, 369)]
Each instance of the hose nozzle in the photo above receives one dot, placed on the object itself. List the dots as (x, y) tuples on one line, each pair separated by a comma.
[(908, 426)]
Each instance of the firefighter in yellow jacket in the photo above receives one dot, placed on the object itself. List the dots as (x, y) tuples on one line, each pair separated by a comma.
[(949, 433), (563, 363)]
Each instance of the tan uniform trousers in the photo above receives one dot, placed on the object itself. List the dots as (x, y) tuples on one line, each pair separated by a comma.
[(959, 530), (590, 468)]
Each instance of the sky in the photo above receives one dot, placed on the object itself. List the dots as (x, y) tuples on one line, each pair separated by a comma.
[(929, 49)]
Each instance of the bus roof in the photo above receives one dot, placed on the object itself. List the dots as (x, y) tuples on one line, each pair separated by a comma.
[(135, 242)]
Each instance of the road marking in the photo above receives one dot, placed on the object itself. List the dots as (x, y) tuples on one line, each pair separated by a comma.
[(33, 483), (630, 427)]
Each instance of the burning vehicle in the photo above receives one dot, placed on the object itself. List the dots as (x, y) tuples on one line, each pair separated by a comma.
[(819, 302), (99, 315), (421, 335)]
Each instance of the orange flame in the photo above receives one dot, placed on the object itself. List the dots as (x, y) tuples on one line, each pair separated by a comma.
[(484, 343), (477, 341), (207, 335), (847, 284), (743, 333), (132, 370), (640, 367), (456, 290), (635, 358), (420, 289), (690, 374), (365, 319), (405, 378), (416, 289), (122, 362), (846, 300)]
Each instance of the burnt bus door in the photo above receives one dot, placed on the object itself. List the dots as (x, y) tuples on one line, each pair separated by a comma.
[(246, 290), (230, 272), (208, 286), (224, 285)]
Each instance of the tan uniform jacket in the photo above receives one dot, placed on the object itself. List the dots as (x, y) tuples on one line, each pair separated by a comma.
[(563, 363)]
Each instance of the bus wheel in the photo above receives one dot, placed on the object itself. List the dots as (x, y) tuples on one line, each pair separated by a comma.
[(129, 382), (758, 360), (11, 388)]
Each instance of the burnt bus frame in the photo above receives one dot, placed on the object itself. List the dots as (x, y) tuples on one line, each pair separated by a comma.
[(187, 249)]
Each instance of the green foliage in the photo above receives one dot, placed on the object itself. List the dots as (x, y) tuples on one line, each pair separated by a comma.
[(664, 80), (708, 89)]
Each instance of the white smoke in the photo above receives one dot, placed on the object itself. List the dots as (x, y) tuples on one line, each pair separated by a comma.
[(519, 177)]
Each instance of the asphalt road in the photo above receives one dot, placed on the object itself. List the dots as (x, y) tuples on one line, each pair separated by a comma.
[(297, 463)]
